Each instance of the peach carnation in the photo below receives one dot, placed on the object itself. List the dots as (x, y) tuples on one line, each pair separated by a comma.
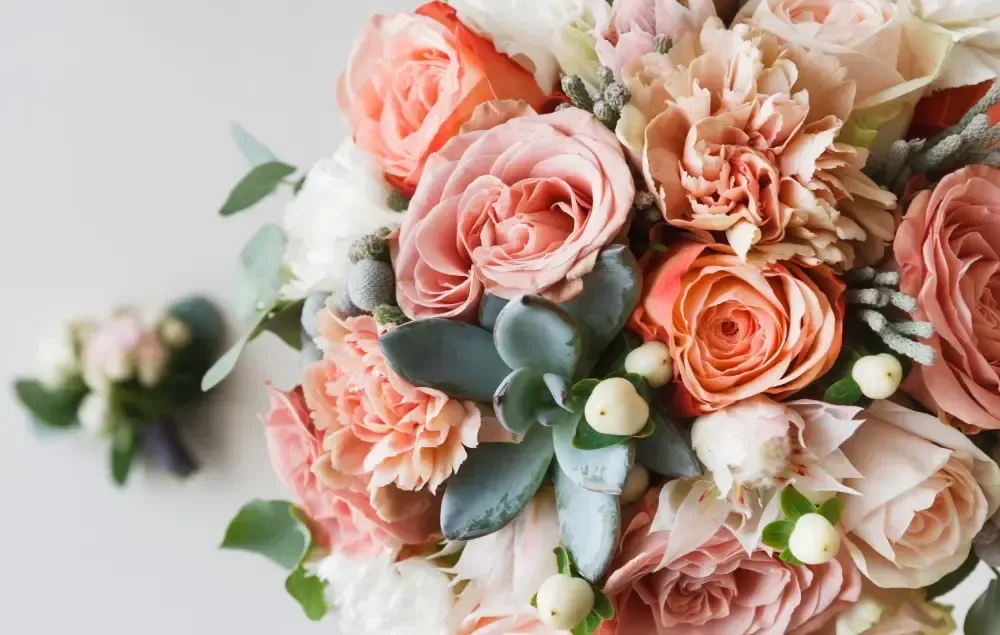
[(735, 132)]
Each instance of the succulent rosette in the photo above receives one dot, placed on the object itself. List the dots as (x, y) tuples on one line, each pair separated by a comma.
[(619, 318)]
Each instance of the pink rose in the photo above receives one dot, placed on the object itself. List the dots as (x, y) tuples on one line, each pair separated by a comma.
[(524, 207), (926, 491), (949, 250), (377, 426), (736, 330), (413, 80), (719, 587), (346, 519)]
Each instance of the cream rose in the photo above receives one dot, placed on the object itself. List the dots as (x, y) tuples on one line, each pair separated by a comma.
[(926, 491)]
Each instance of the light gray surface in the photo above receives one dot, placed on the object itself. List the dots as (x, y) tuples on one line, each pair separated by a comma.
[(114, 155)]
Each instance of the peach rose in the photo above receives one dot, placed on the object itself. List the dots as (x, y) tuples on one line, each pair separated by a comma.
[(719, 587), (737, 330), (377, 426), (736, 133), (926, 491), (413, 80), (345, 519), (523, 207), (948, 248)]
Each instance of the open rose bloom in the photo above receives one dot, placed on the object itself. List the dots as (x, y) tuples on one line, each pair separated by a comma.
[(645, 318)]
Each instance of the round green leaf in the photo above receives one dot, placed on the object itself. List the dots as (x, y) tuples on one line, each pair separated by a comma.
[(272, 528)]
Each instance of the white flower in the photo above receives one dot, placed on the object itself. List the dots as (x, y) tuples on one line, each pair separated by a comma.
[(894, 611), (544, 37), (58, 357), (95, 414), (974, 27), (382, 597), (344, 198)]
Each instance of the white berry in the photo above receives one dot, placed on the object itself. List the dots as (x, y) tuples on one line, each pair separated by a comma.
[(878, 376), (652, 361), (616, 407), (175, 333), (564, 602), (636, 484), (94, 414), (814, 540)]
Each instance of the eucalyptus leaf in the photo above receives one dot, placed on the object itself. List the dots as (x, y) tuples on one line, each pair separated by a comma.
[(56, 408), (590, 524), (255, 152), (455, 358), (278, 319), (489, 309), (604, 470), (667, 451), (262, 271), (495, 483), (257, 185), (532, 332), (984, 616), (309, 592), (519, 399), (949, 582), (273, 529), (610, 293)]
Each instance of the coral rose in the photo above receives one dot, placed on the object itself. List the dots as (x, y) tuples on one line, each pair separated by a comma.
[(375, 424), (413, 80), (737, 330), (523, 207), (735, 133), (719, 587), (948, 248), (345, 519), (926, 491)]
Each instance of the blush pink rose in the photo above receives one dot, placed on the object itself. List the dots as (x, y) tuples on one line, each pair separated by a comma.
[(948, 248), (413, 80), (345, 519), (926, 491), (736, 330), (719, 587), (377, 426), (523, 207)]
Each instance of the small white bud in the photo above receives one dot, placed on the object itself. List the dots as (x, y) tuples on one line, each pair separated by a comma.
[(814, 540), (878, 376), (175, 333), (652, 361), (635, 485), (57, 358), (94, 414), (616, 407), (564, 602)]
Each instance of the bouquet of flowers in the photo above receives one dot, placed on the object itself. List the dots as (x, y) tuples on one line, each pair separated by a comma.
[(640, 317), (126, 380)]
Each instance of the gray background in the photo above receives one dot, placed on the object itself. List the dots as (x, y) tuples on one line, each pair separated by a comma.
[(114, 156)]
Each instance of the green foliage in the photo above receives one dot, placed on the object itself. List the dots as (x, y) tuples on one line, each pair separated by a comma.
[(489, 310), (984, 616), (308, 591), (55, 408), (786, 556), (563, 561), (843, 392), (123, 452), (953, 579), (795, 505), (257, 185), (262, 272), (518, 399), (589, 523), (495, 483), (439, 353), (599, 470), (274, 529), (832, 510), (612, 360), (255, 152), (532, 332), (776, 534)]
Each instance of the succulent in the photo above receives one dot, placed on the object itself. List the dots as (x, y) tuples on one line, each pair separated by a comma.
[(538, 362)]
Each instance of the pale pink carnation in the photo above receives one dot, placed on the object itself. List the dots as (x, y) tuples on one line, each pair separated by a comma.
[(735, 132)]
